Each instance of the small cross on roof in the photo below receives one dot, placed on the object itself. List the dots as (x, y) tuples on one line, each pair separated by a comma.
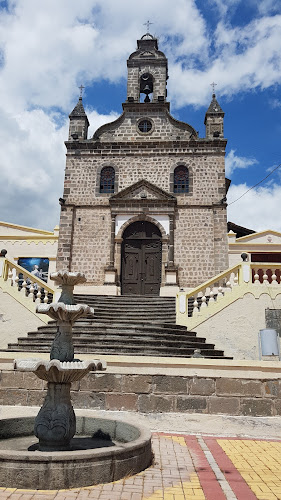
[(213, 86), (147, 24), (81, 90)]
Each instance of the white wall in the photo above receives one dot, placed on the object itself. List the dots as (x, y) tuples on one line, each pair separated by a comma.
[(15, 320), (235, 328)]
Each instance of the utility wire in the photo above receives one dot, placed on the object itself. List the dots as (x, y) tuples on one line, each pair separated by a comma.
[(254, 185)]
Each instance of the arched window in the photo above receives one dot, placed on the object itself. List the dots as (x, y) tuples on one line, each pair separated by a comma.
[(107, 178), (181, 179)]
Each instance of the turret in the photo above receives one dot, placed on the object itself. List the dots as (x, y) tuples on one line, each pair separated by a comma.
[(78, 122), (214, 120)]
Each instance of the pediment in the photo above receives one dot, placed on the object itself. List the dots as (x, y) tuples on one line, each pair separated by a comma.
[(268, 236), (147, 54), (143, 190)]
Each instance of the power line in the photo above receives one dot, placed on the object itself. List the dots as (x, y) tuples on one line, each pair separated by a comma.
[(255, 185)]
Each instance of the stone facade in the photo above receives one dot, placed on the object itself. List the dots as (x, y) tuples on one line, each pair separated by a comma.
[(193, 234), (149, 393)]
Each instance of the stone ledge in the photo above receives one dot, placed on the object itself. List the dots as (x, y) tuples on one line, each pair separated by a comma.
[(189, 367), (154, 393)]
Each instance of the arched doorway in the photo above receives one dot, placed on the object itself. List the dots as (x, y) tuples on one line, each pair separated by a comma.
[(141, 259)]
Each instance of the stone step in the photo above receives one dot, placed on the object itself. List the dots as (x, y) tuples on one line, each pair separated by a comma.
[(140, 310), (132, 325), (93, 323), (198, 343), (116, 333), (126, 349), (125, 298), (134, 318), (33, 338), (104, 352)]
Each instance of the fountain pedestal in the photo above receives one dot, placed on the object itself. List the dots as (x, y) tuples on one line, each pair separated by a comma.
[(55, 424)]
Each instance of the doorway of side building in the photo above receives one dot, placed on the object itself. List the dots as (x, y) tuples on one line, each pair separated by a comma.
[(141, 259)]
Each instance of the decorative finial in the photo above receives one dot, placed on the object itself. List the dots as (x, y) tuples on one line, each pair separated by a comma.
[(147, 24), (81, 90), (213, 86)]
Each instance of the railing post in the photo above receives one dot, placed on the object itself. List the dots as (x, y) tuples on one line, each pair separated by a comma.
[(246, 270), (3, 264)]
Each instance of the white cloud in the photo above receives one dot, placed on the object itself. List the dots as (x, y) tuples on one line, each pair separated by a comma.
[(266, 7), (32, 165), (244, 59), (223, 6), (96, 120), (50, 46), (257, 209), (275, 103), (233, 161)]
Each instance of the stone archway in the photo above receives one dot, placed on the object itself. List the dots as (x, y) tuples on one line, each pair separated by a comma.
[(141, 259)]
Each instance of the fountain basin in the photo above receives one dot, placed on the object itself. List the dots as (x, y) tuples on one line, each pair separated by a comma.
[(89, 462)]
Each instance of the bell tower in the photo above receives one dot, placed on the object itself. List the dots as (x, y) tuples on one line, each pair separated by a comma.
[(214, 119), (147, 72)]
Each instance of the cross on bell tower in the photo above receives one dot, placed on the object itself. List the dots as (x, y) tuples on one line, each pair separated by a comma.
[(81, 88), (147, 24), (213, 85)]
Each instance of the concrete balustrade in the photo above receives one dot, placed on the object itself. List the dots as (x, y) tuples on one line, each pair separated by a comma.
[(199, 304), (26, 288)]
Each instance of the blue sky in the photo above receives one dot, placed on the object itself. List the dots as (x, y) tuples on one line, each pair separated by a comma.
[(47, 49)]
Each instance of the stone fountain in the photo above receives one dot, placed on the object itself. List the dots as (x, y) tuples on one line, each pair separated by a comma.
[(55, 424), (56, 461)]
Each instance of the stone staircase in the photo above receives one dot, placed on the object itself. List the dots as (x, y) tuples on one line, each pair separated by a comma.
[(128, 325)]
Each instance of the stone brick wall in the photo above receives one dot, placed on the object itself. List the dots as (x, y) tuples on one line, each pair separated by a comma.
[(194, 245), (164, 126), (91, 243), (200, 225), (221, 261), (158, 72), (153, 163), (154, 393), (67, 220)]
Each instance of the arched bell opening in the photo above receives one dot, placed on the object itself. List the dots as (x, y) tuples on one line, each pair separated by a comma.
[(141, 258), (146, 87)]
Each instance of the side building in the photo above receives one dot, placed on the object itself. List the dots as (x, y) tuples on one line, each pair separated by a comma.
[(143, 208)]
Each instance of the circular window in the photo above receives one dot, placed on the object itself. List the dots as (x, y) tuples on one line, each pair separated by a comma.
[(145, 126)]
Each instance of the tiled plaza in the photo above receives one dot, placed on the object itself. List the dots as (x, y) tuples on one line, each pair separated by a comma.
[(188, 467)]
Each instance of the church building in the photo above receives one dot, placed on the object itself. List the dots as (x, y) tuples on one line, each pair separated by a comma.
[(143, 210)]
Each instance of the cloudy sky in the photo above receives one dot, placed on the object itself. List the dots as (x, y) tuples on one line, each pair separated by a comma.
[(49, 48)]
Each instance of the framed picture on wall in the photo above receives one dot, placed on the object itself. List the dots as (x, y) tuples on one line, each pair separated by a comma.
[(38, 266)]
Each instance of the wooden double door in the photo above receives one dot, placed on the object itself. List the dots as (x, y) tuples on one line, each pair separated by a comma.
[(141, 259)]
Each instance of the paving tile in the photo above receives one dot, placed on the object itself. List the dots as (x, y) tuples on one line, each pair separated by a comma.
[(187, 468)]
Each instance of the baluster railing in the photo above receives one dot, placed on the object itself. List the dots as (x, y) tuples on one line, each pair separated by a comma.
[(226, 287), (210, 292), (266, 274), (28, 285)]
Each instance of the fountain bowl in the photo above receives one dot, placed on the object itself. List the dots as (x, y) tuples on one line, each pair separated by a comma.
[(118, 449)]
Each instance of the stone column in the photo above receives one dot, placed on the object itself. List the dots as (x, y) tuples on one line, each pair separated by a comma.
[(112, 241), (118, 259), (171, 244), (110, 270)]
